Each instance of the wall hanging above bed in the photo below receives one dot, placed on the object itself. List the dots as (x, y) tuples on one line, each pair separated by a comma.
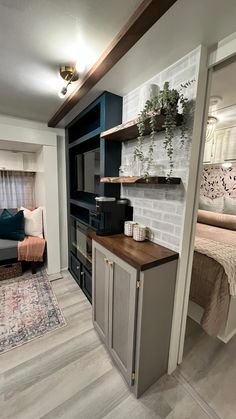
[(218, 181)]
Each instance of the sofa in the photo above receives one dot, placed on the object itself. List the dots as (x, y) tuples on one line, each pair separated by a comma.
[(9, 249)]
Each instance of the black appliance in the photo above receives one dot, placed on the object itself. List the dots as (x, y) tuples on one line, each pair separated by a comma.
[(81, 255), (110, 215)]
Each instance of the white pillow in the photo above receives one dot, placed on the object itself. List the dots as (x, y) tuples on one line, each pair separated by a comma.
[(230, 205), (208, 204), (33, 222)]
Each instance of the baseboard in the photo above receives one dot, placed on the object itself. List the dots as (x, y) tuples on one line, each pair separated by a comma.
[(195, 312), (54, 277)]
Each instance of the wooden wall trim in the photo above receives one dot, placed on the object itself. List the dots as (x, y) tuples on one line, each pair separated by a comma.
[(138, 24)]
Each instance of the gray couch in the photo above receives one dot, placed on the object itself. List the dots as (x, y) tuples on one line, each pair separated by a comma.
[(8, 249)]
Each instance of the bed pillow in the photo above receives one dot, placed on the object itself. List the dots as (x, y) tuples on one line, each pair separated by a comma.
[(230, 205), (214, 205), (216, 219), (12, 226), (33, 222)]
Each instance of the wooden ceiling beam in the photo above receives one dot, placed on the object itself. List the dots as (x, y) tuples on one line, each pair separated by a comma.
[(148, 12)]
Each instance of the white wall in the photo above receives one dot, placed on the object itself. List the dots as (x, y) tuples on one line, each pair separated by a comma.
[(161, 208), (40, 198), (52, 156), (52, 209), (61, 154)]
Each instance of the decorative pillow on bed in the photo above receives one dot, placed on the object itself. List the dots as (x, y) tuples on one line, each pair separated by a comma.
[(230, 205), (12, 226), (216, 219), (208, 204), (33, 222)]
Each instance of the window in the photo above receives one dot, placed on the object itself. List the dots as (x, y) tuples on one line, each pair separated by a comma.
[(16, 189)]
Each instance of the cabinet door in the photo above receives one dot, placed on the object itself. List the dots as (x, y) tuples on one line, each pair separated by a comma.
[(86, 283), (230, 144), (10, 160), (208, 151), (122, 307), (75, 267), (100, 291), (218, 149)]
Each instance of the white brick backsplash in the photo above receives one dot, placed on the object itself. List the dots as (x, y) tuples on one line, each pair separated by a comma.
[(176, 194), (154, 234), (138, 211), (133, 191), (164, 206), (183, 76), (154, 193), (162, 226), (178, 231), (168, 238), (156, 215), (147, 203), (161, 207), (143, 220), (180, 209), (173, 219)]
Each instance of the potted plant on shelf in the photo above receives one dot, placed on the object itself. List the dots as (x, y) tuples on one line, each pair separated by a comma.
[(167, 104)]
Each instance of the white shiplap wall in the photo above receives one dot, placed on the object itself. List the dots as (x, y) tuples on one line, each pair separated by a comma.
[(161, 208)]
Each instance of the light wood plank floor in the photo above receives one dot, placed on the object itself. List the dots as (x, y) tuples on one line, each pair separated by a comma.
[(68, 374), (209, 367)]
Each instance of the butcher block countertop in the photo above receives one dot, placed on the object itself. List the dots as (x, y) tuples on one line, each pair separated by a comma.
[(140, 255)]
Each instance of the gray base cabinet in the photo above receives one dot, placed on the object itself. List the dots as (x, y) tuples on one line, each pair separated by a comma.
[(132, 313)]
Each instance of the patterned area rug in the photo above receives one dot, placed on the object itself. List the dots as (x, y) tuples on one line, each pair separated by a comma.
[(28, 310)]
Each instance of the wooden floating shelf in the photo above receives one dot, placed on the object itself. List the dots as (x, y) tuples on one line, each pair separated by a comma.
[(129, 130), (157, 180)]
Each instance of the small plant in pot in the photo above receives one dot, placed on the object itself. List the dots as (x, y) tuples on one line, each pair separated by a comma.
[(166, 104)]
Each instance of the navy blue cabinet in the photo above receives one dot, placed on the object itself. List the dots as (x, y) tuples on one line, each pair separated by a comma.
[(90, 157)]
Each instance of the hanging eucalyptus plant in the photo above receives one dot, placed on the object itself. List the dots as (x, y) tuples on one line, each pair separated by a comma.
[(167, 104)]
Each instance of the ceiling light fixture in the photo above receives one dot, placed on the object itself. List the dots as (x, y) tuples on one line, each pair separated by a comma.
[(70, 75), (80, 67), (212, 119)]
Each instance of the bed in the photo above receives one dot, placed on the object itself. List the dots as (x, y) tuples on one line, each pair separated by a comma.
[(213, 285)]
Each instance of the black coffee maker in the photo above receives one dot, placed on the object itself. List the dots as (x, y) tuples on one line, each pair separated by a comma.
[(110, 215)]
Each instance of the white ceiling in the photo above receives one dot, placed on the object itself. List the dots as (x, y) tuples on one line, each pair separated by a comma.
[(187, 24), (37, 36)]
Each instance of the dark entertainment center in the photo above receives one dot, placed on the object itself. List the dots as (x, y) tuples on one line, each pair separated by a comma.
[(90, 157)]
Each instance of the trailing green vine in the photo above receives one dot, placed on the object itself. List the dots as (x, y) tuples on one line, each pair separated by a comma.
[(166, 103)]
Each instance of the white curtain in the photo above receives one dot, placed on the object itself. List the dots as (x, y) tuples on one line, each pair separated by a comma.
[(16, 189)]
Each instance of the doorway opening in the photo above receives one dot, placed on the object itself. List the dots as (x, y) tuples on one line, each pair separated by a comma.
[(209, 362)]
